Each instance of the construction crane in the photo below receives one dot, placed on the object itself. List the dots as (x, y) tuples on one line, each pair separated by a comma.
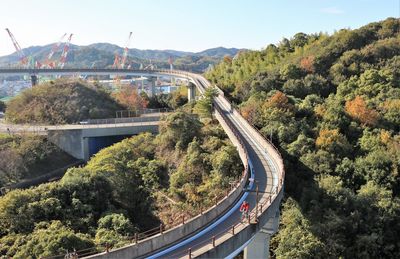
[(23, 59), (64, 54), (119, 62), (125, 55), (48, 63)]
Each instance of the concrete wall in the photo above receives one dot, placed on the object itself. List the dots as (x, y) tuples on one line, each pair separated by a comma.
[(68, 140)]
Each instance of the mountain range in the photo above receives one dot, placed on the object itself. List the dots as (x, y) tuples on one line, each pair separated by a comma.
[(102, 55)]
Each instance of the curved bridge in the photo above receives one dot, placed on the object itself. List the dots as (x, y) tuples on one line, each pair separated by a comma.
[(219, 231)]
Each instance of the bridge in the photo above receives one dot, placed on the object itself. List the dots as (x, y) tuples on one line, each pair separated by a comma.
[(151, 74), (217, 232), (84, 140)]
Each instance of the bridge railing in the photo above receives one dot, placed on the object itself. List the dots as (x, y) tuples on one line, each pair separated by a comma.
[(139, 112), (153, 239)]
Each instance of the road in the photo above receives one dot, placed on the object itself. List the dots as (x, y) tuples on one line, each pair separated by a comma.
[(262, 168)]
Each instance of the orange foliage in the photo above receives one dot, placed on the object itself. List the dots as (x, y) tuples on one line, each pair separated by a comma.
[(358, 110), (327, 137), (280, 101), (249, 112), (392, 105), (129, 97), (320, 110), (307, 64), (386, 137)]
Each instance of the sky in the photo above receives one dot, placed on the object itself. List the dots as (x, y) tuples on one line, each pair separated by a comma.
[(187, 25)]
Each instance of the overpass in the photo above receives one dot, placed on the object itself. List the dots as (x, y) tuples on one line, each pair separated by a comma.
[(152, 74), (83, 140), (217, 232)]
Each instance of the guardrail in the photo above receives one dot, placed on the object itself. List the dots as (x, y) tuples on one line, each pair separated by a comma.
[(138, 112), (120, 120)]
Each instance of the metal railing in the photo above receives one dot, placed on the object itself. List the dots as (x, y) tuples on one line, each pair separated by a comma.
[(139, 112)]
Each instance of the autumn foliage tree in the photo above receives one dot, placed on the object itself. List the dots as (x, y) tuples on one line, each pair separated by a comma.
[(357, 109), (130, 98), (307, 64)]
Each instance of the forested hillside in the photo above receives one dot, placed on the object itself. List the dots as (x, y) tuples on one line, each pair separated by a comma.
[(101, 55), (332, 104), (62, 101), (127, 188), (28, 156)]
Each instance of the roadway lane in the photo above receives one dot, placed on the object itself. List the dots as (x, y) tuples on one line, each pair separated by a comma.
[(262, 171)]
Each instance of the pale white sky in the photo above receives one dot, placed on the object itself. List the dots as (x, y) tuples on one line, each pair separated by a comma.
[(190, 25)]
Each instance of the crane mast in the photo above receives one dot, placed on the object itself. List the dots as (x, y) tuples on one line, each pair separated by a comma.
[(64, 54), (21, 54)]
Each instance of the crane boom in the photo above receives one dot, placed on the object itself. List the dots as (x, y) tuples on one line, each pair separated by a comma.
[(55, 47), (21, 54), (64, 54), (125, 55)]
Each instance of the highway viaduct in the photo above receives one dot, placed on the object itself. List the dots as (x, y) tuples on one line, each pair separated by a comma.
[(217, 232), (150, 74)]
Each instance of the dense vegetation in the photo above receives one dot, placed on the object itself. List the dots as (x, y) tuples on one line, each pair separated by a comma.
[(61, 101), (28, 156), (102, 55), (332, 104), (131, 99), (124, 189)]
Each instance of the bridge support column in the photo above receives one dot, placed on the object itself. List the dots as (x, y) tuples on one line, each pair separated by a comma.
[(152, 81), (34, 80), (259, 246), (191, 92)]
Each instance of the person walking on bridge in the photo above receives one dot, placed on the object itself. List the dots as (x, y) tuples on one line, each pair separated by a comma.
[(244, 208)]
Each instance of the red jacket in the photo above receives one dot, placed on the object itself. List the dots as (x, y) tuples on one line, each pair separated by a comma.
[(244, 207)]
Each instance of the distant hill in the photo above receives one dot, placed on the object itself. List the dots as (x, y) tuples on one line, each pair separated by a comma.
[(102, 55)]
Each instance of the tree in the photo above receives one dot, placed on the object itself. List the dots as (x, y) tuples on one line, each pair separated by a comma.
[(203, 106), (114, 230), (129, 97), (307, 64), (299, 39), (52, 238), (358, 110), (296, 238), (178, 130), (333, 141)]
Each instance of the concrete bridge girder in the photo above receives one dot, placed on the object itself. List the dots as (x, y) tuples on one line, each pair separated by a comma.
[(76, 141)]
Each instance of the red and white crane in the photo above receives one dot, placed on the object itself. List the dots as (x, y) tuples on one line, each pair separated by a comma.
[(125, 55), (119, 62), (48, 63), (22, 58), (64, 54)]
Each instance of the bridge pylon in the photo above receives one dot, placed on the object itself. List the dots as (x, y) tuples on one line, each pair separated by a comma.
[(191, 92), (34, 80)]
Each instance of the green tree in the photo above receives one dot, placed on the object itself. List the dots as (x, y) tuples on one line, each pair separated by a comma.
[(203, 106)]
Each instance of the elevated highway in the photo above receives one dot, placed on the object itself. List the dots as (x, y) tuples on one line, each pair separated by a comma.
[(217, 232)]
